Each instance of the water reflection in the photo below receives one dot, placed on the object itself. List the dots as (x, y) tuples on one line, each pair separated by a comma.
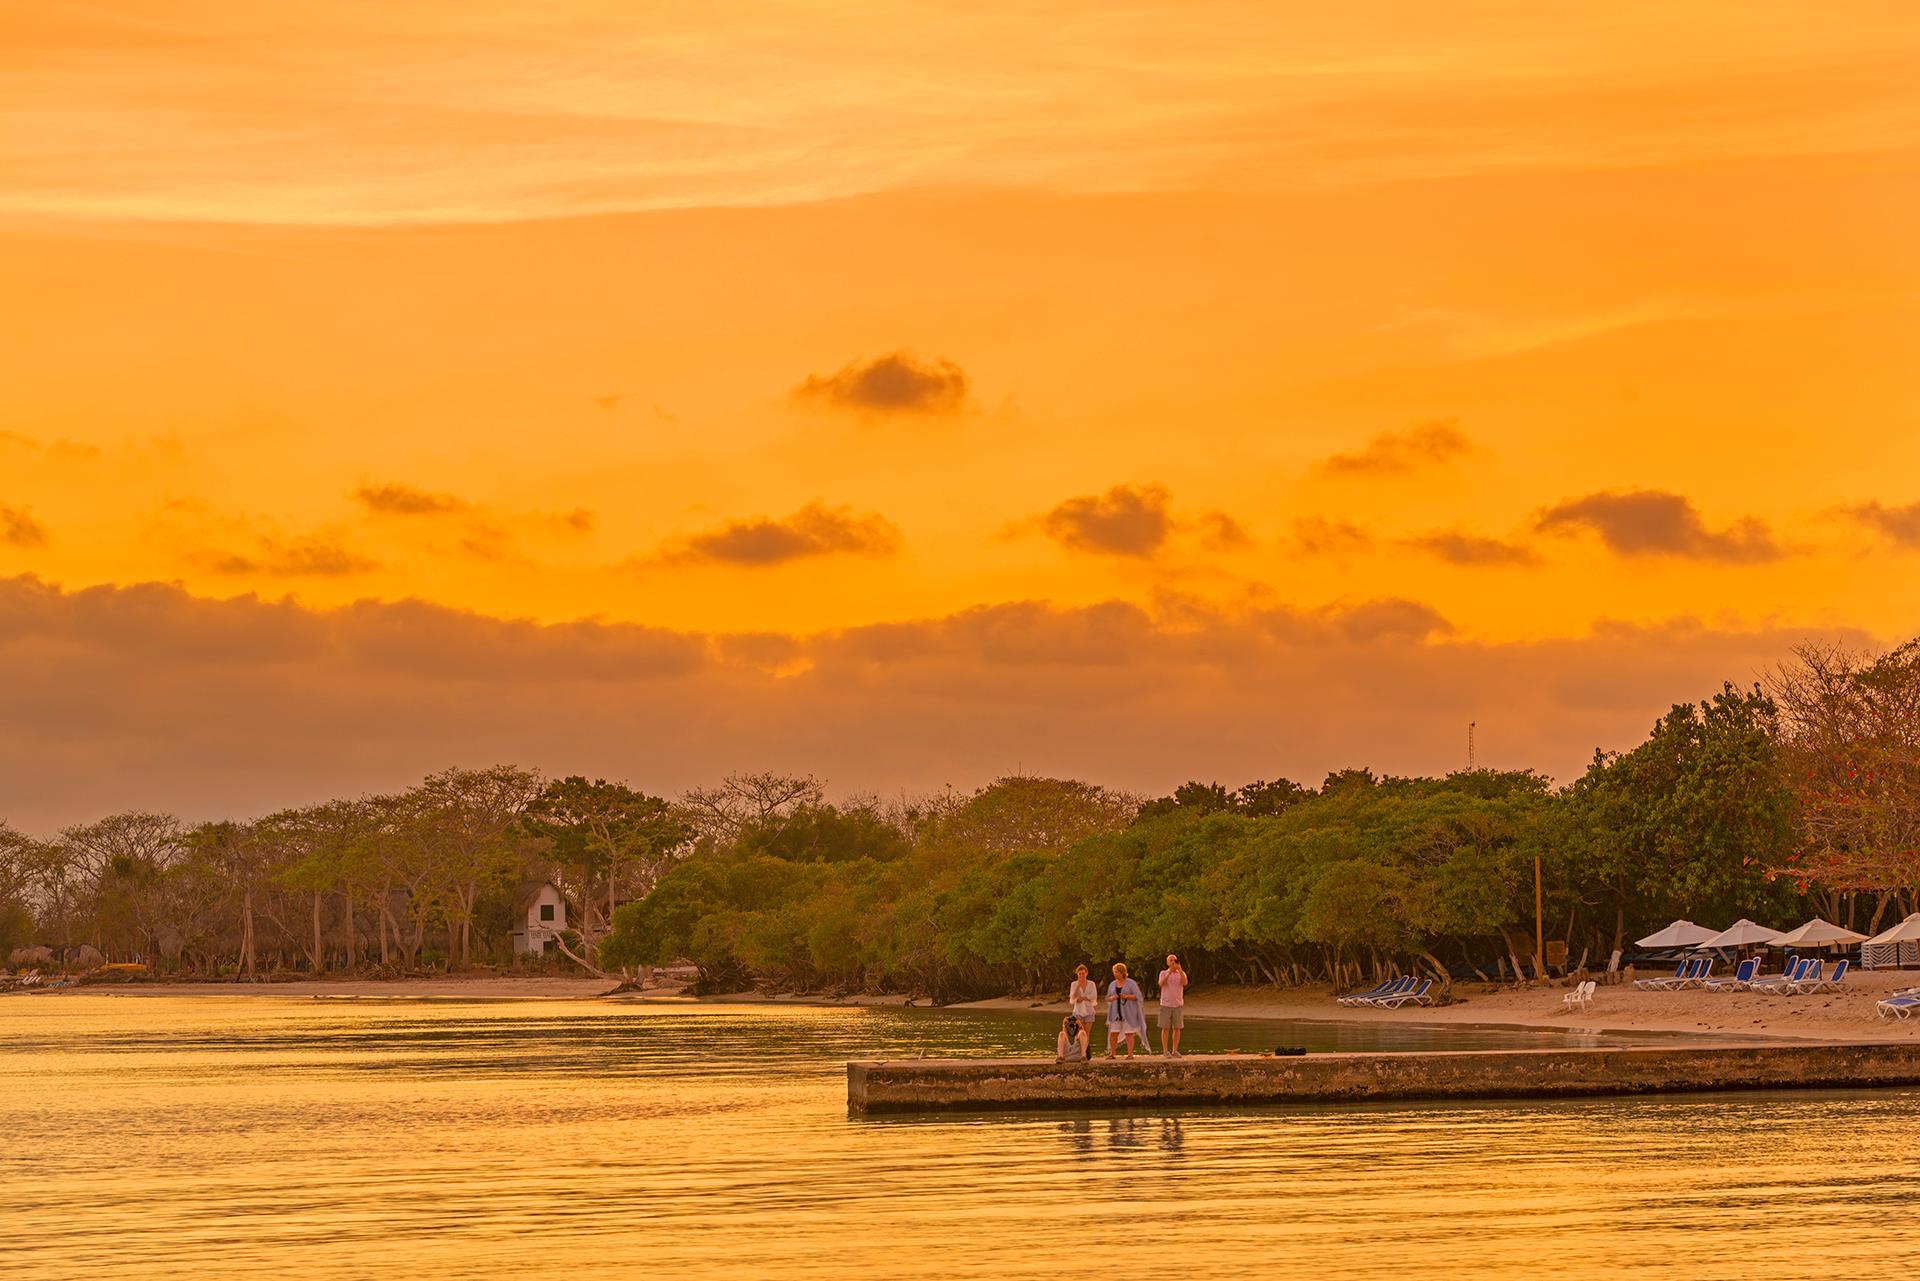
[(268, 1137)]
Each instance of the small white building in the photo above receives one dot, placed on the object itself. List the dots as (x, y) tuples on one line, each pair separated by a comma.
[(539, 913)]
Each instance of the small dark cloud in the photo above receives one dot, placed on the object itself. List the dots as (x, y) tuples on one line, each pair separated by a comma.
[(1127, 520), (814, 530), (1220, 532), (487, 541), (317, 555), (894, 383), (482, 532), (1898, 524), (1320, 536), (1457, 547), (18, 529), (405, 500), (1392, 453), (1648, 522), (610, 403)]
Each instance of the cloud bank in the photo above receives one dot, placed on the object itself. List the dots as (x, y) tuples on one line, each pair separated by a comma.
[(148, 696)]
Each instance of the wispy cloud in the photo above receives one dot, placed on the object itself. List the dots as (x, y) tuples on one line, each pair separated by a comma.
[(323, 554), (1324, 536), (63, 450), (19, 529), (480, 532), (760, 541), (896, 383), (1220, 532), (1897, 524), (406, 500), (1393, 453), (1457, 547), (1648, 522)]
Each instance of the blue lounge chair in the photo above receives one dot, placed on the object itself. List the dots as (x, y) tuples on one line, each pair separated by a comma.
[(1679, 972), (1783, 982), (1809, 981), (1401, 986), (1737, 981), (1378, 989), (1805, 973), (1899, 1006), (1694, 968), (1399, 999), (1831, 983), (1701, 972)]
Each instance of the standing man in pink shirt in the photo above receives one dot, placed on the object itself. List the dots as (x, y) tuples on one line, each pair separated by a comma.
[(1173, 1005)]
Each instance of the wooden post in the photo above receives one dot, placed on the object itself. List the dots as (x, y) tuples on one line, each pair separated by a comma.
[(1539, 929)]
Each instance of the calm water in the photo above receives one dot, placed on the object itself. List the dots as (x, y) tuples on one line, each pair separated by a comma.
[(262, 1137)]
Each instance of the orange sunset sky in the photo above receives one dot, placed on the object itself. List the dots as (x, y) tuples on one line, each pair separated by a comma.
[(909, 394)]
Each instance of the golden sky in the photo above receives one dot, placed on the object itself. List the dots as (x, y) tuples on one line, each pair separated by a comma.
[(773, 327)]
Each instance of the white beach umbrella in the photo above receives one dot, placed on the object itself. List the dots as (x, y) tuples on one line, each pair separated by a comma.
[(1679, 934), (1908, 931), (1816, 933), (1741, 933)]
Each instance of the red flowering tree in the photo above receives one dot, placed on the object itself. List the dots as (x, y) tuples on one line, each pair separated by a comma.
[(1851, 724)]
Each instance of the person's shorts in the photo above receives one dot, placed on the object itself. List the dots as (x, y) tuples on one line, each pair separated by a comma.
[(1173, 1018)]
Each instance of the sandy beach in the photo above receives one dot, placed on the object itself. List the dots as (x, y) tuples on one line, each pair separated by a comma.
[(1846, 1015), (450, 988)]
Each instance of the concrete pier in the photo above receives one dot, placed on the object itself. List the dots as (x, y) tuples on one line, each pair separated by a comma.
[(935, 1085)]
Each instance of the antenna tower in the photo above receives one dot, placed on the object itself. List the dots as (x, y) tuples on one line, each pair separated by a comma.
[(1470, 725)]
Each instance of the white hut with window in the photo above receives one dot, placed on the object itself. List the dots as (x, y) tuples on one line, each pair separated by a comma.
[(539, 913)]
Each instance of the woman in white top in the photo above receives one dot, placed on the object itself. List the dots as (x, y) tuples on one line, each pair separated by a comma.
[(1084, 997)]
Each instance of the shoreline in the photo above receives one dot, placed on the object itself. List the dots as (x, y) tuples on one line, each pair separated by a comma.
[(1619, 1010)]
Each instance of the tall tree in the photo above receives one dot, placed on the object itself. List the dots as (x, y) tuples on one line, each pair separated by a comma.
[(609, 842), (720, 813), (17, 866), (470, 819), (1852, 733), (1696, 818), (240, 854), (118, 861)]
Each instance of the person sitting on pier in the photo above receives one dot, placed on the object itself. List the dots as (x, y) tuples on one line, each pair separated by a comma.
[(1071, 1045), (1126, 1017)]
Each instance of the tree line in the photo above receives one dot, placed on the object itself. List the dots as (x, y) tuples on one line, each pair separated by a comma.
[(1774, 801)]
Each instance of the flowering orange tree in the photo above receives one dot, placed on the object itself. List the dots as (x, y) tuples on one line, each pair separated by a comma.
[(1851, 725)]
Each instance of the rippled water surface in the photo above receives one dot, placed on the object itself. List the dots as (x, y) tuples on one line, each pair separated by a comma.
[(267, 1137)]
